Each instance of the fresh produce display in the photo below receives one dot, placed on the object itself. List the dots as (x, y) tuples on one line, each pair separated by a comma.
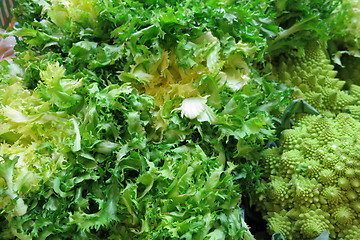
[(176, 119), (133, 120)]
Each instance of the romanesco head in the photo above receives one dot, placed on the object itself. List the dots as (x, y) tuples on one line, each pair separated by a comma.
[(313, 179), (314, 79)]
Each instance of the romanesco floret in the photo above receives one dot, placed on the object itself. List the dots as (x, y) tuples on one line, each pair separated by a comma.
[(353, 233), (280, 223), (311, 224), (313, 180)]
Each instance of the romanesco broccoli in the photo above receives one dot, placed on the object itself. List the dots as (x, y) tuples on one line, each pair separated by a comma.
[(313, 78), (312, 181)]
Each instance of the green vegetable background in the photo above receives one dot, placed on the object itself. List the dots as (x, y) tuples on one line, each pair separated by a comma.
[(196, 120)]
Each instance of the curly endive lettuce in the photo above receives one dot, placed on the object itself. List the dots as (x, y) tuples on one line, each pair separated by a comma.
[(345, 26), (34, 139), (344, 45), (115, 186), (69, 14), (183, 194), (303, 22), (353, 16), (172, 84), (311, 180)]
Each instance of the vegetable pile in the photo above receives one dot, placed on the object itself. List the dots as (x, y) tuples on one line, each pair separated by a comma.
[(170, 119)]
